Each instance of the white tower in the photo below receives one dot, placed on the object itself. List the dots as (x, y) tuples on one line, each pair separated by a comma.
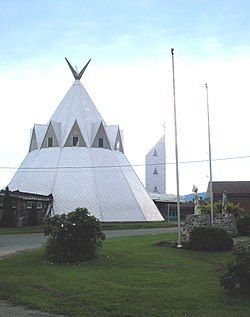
[(156, 168), (78, 159)]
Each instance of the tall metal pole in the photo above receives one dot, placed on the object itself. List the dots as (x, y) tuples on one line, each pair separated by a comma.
[(176, 158), (210, 162)]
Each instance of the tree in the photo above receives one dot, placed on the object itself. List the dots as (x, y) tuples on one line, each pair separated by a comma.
[(8, 217), (238, 271), (243, 225)]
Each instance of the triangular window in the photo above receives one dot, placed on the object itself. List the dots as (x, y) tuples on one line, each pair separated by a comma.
[(50, 139), (101, 139), (75, 138), (155, 153), (155, 171), (155, 189)]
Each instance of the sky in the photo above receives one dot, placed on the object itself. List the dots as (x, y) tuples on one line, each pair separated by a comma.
[(130, 78)]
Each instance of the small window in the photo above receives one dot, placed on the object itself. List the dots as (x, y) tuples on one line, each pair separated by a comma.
[(172, 213), (155, 171), (29, 205), (50, 142), (155, 153), (1, 206), (155, 189), (75, 140), (117, 145), (100, 142), (39, 205)]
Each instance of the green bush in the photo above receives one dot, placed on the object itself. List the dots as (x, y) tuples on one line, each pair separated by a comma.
[(206, 207), (232, 208), (238, 272), (73, 237), (243, 225), (210, 239)]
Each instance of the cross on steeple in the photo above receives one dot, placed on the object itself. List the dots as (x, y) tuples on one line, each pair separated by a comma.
[(74, 72)]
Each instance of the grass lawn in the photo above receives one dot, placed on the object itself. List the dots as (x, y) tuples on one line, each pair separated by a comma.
[(137, 225), (34, 229), (132, 277), (105, 226)]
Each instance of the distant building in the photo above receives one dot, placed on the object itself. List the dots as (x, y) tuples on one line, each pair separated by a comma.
[(167, 205), (156, 168), (22, 203), (156, 184), (237, 192)]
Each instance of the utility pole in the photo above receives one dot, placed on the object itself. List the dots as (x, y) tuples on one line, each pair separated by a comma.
[(179, 245), (210, 162)]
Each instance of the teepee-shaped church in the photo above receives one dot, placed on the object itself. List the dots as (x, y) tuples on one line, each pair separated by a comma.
[(78, 159)]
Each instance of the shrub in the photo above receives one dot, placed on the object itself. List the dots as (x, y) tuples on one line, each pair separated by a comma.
[(243, 225), (232, 208), (8, 218), (206, 207), (238, 272), (210, 239), (32, 216), (73, 237)]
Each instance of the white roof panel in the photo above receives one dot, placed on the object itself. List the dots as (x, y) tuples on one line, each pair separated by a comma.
[(99, 179)]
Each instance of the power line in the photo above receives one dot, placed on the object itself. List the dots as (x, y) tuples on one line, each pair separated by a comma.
[(124, 165)]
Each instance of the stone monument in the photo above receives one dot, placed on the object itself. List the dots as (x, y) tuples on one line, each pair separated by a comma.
[(197, 210), (224, 202)]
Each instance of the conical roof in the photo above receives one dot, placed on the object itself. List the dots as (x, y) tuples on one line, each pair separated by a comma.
[(77, 105), (80, 160)]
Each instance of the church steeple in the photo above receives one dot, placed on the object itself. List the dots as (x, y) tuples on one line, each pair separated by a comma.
[(75, 73)]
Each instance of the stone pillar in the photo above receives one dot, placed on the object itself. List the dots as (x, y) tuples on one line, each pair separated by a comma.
[(224, 221)]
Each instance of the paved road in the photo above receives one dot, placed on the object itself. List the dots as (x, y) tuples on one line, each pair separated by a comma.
[(12, 243)]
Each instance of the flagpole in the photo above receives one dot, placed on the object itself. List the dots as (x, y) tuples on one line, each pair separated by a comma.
[(210, 162), (176, 158), (164, 135)]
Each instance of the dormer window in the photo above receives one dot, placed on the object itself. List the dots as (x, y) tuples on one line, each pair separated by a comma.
[(117, 145), (50, 142), (50, 138), (155, 153), (100, 142), (101, 139), (75, 137), (75, 140)]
